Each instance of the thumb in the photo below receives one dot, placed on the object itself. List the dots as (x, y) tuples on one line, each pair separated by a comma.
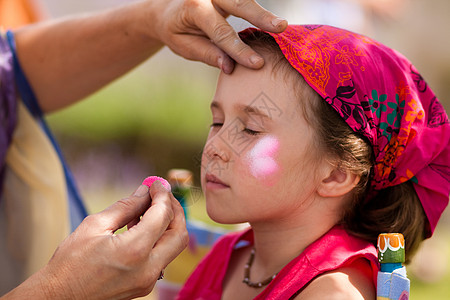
[(125, 210)]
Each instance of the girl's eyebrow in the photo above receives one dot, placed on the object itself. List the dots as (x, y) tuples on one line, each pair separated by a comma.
[(215, 104), (253, 110), (248, 109)]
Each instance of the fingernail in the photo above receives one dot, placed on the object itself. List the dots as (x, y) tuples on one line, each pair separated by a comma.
[(141, 191), (228, 67), (255, 60), (165, 185), (220, 63), (225, 66), (277, 21)]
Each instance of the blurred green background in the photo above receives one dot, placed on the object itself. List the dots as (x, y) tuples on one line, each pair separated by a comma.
[(156, 118)]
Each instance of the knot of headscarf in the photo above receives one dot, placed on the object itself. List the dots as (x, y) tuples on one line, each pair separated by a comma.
[(382, 96)]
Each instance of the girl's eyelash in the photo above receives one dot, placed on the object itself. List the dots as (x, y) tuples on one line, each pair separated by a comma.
[(246, 130), (251, 132)]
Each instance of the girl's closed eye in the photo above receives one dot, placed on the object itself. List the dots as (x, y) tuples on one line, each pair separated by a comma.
[(218, 125), (251, 132), (252, 128), (215, 127)]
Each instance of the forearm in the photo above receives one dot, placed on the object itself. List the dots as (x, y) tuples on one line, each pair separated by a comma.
[(67, 60), (39, 286)]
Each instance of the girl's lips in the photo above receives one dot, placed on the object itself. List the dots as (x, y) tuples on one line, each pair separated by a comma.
[(212, 182)]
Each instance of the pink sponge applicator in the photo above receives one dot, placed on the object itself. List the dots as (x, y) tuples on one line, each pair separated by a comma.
[(149, 181)]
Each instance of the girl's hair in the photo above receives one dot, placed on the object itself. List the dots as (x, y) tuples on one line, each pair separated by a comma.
[(394, 209)]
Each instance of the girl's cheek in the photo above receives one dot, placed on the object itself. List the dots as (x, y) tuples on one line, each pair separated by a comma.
[(263, 167), (262, 162)]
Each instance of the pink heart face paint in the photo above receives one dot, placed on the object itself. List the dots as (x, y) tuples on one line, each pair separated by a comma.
[(262, 158)]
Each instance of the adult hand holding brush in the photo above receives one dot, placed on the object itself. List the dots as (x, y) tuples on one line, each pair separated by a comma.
[(95, 263)]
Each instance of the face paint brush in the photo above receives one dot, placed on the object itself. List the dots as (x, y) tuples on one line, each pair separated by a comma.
[(149, 181)]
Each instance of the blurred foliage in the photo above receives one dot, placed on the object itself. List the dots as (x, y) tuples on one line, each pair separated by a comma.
[(143, 124), (141, 106), (425, 290), (430, 269)]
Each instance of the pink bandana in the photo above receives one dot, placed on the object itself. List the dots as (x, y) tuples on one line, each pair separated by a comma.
[(380, 95)]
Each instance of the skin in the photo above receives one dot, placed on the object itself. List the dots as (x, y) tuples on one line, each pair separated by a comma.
[(95, 263), (284, 208), (81, 54), (66, 60)]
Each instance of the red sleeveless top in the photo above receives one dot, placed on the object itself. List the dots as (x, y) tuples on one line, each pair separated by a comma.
[(334, 250)]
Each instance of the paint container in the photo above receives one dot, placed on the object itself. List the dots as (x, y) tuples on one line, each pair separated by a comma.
[(181, 181), (392, 283)]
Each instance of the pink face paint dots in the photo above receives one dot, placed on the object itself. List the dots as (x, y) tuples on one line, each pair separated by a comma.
[(261, 157), (149, 181)]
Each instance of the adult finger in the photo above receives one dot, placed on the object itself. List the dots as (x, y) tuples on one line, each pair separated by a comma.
[(155, 220), (205, 51), (133, 222), (254, 13), (123, 211), (214, 25), (173, 240)]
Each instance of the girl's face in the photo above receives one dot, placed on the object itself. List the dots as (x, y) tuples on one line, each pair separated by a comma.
[(257, 164)]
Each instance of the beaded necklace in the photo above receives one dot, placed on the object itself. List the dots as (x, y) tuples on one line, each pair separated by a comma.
[(247, 273)]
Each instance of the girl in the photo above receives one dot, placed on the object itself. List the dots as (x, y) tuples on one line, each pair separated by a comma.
[(335, 140)]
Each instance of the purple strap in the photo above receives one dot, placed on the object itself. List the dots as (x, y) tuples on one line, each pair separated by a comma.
[(8, 105)]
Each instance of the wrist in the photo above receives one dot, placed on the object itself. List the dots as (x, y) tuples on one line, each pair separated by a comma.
[(40, 286), (147, 17), (50, 285)]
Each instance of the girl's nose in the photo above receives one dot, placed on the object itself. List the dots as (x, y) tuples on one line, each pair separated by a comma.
[(215, 148)]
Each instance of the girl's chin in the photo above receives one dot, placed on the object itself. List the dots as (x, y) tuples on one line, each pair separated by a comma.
[(222, 217)]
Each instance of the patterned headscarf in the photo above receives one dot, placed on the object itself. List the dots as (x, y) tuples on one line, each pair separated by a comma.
[(382, 96)]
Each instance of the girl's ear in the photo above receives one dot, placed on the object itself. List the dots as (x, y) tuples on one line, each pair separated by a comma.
[(337, 183)]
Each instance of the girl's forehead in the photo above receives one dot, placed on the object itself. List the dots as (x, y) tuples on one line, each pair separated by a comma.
[(255, 90)]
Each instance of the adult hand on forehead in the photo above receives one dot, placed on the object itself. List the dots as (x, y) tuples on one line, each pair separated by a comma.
[(66, 60), (198, 30)]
